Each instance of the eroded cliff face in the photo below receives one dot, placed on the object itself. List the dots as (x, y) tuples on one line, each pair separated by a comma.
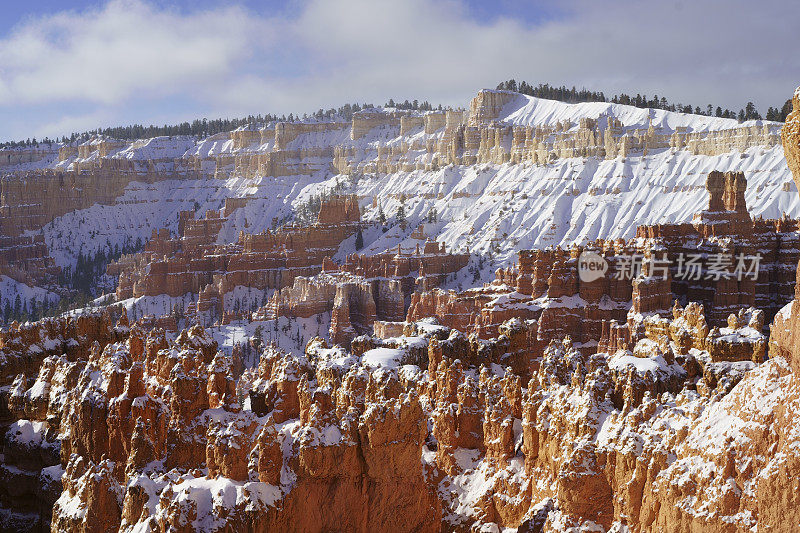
[(29, 200), (497, 128), (424, 432), (546, 294), (540, 401), (790, 136), (331, 453), (51, 353), (675, 428)]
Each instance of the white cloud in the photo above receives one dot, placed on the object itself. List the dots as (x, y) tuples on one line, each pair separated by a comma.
[(697, 52), (137, 58), (122, 50), (73, 122)]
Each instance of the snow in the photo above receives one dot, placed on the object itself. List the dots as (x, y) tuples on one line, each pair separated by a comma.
[(331, 435), (486, 209), (530, 110), (288, 334), (10, 288), (740, 412), (26, 433), (383, 357), (525, 206), (141, 209), (212, 497), (333, 358), (642, 364), (71, 506), (155, 305), (477, 477), (785, 311), (429, 326), (157, 148), (52, 473)]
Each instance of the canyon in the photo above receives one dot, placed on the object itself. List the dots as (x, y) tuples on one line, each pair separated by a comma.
[(386, 324)]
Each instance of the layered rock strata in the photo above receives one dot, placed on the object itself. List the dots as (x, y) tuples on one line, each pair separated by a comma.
[(365, 289), (637, 414), (194, 264), (98, 170), (644, 276), (27, 260)]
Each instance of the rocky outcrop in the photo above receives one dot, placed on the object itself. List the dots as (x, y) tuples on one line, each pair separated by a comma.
[(785, 334), (545, 400), (754, 267), (27, 260), (461, 444), (16, 156), (194, 264), (749, 262), (487, 106), (99, 169), (40, 364), (364, 289), (31, 199), (358, 440), (790, 137)]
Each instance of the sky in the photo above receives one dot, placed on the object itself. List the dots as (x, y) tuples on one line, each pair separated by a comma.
[(77, 66)]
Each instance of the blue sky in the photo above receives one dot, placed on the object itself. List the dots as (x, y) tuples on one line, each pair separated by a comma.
[(78, 66)]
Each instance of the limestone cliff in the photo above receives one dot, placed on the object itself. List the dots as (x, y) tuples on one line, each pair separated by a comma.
[(540, 401)]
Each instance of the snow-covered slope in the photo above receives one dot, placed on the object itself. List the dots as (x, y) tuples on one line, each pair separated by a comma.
[(10, 289), (140, 210), (517, 207), (532, 111), (484, 208)]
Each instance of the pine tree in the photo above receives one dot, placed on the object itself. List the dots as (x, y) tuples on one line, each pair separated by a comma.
[(432, 216), (750, 112), (785, 110), (772, 113), (359, 240), (258, 336)]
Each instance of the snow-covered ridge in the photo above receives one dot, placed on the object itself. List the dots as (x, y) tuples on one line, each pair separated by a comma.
[(494, 196), (532, 111), (517, 110)]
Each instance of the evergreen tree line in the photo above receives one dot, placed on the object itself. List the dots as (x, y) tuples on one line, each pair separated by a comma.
[(345, 112), (199, 128), (23, 310), (28, 142), (573, 95), (84, 283), (90, 269), (415, 105)]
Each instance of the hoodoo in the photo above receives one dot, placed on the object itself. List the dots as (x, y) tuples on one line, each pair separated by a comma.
[(540, 309)]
